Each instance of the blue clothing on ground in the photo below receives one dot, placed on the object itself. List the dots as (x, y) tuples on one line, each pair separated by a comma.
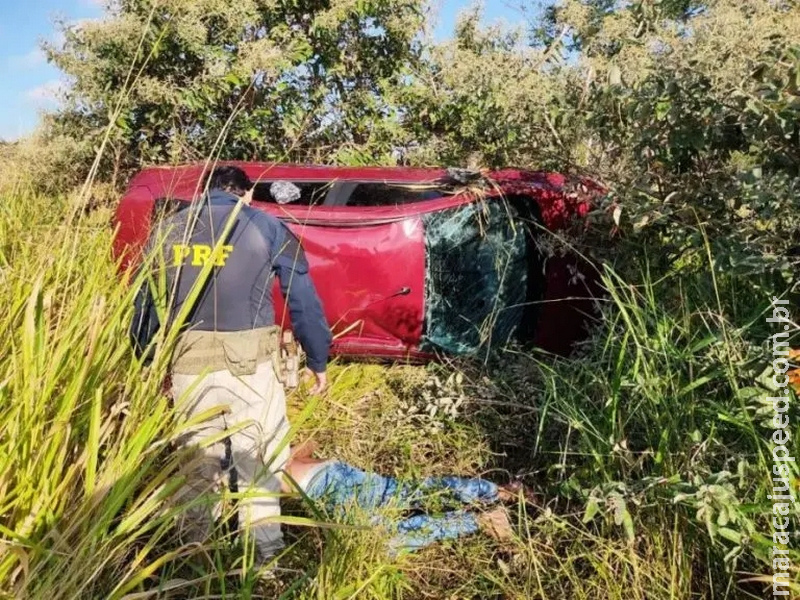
[(338, 485), (420, 531), (238, 293)]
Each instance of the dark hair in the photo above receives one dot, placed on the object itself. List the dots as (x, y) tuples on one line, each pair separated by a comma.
[(232, 179)]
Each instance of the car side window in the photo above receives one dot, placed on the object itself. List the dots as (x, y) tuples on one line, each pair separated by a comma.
[(312, 193), (387, 194)]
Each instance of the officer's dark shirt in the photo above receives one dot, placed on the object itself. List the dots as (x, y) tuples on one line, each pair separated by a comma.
[(238, 294)]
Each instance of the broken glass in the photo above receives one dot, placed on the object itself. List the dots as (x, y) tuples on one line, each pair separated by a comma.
[(476, 276)]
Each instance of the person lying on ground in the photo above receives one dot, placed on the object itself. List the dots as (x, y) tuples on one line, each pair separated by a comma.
[(339, 486)]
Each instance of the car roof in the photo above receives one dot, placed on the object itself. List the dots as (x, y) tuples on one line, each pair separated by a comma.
[(298, 172), (185, 180)]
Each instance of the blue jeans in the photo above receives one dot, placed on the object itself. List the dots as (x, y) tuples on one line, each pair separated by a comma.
[(339, 484)]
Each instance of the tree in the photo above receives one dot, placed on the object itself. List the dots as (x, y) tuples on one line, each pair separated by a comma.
[(692, 117), (484, 98), (274, 79)]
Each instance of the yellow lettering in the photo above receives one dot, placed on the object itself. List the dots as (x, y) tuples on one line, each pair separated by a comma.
[(180, 252), (200, 255), (222, 255)]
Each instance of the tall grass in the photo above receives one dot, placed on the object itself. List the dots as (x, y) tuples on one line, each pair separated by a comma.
[(83, 428), (657, 430), (89, 472), (650, 447)]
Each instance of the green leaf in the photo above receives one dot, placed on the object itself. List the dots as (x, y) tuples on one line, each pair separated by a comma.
[(592, 508), (704, 343), (628, 523), (233, 78), (747, 393), (662, 109), (730, 535), (700, 381)]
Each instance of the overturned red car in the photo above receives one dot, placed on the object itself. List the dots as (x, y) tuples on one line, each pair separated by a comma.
[(412, 263)]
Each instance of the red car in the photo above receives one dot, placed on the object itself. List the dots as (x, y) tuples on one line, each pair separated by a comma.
[(412, 263)]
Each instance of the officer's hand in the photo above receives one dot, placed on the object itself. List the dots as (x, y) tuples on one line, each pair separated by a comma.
[(320, 381)]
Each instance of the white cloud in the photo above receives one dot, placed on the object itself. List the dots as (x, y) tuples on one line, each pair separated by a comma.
[(47, 94), (34, 58)]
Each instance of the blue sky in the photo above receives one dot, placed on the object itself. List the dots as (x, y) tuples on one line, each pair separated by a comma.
[(29, 83)]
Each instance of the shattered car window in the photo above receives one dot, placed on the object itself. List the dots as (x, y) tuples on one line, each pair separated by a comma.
[(476, 276)]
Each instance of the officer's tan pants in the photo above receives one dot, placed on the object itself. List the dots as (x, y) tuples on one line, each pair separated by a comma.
[(250, 459)]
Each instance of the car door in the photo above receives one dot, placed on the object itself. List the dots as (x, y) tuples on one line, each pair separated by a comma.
[(367, 264)]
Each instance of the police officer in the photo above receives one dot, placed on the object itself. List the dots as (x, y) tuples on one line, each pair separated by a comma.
[(230, 339)]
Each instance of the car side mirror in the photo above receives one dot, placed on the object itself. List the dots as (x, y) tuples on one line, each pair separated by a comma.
[(284, 192)]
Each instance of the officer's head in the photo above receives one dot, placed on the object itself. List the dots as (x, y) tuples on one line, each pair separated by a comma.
[(230, 179)]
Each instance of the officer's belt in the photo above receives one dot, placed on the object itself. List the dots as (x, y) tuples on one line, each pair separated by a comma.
[(240, 352)]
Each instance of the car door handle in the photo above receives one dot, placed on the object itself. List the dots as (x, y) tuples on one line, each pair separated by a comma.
[(403, 291)]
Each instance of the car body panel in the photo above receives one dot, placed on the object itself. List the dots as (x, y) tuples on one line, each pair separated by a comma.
[(372, 294)]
